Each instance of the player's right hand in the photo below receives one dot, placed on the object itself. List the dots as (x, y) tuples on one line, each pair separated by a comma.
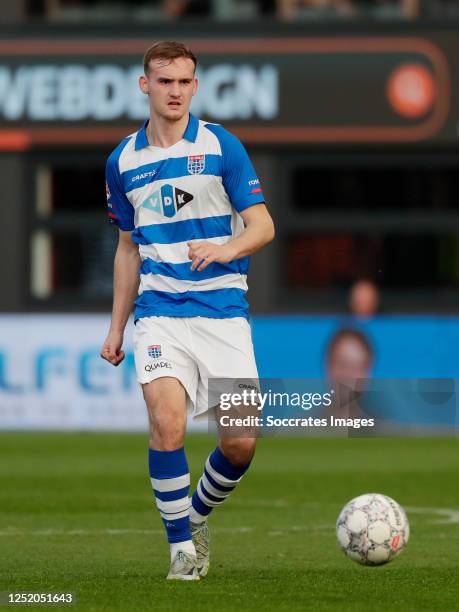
[(111, 349)]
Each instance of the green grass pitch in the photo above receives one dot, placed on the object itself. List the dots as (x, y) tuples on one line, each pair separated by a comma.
[(77, 514)]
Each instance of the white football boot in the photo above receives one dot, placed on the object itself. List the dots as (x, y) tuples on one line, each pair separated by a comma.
[(201, 539), (183, 567)]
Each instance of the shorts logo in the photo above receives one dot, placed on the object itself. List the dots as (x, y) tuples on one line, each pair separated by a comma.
[(154, 350), (151, 367), (196, 163)]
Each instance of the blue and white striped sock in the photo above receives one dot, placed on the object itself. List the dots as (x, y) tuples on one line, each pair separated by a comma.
[(220, 477), (170, 479)]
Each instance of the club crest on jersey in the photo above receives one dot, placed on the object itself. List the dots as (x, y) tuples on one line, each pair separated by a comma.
[(196, 163), (154, 350)]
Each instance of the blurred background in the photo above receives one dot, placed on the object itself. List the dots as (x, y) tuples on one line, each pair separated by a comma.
[(349, 110)]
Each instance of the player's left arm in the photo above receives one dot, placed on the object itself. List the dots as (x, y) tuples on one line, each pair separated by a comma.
[(244, 191), (258, 231)]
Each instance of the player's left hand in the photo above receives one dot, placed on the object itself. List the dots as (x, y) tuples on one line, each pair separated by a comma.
[(203, 252)]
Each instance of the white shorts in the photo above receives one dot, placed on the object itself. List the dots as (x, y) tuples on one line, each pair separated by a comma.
[(194, 349)]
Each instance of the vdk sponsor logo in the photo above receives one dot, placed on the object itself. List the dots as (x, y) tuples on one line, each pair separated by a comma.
[(167, 201)]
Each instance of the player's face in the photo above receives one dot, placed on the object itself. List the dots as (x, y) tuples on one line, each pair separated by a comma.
[(170, 85)]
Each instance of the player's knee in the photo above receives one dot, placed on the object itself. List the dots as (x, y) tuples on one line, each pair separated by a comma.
[(166, 440), (167, 415), (166, 434), (239, 451)]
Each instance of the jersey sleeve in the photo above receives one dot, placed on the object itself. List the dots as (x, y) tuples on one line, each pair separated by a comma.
[(120, 210), (238, 174)]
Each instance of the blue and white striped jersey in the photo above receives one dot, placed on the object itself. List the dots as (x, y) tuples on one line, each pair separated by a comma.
[(193, 190)]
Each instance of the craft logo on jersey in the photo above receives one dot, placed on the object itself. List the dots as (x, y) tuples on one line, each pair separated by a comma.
[(196, 163), (154, 350), (167, 201)]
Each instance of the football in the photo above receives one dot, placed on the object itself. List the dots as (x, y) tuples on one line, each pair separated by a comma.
[(372, 529)]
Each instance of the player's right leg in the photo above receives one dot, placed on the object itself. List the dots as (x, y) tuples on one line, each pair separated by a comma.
[(168, 377), (169, 473)]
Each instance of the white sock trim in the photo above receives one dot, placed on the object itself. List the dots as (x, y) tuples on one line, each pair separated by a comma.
[(212, 490), (225, 482), (174, 517), (196, 518), (170, 484), (205, 500), (174, 506)]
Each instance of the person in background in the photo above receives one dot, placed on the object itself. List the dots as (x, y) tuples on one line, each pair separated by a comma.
[(349, 361), (292, 9), (364, 299), (187, 8)]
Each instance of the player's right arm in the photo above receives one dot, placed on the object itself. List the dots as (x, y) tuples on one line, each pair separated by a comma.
[(127, 259), (125, 288)]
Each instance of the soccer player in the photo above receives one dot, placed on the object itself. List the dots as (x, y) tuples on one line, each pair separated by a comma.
[(190, 210)]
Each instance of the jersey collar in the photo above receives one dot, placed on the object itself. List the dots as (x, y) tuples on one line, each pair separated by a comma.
[(189, 134)]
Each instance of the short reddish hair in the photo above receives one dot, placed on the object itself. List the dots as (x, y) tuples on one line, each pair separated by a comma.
[(167, 50)]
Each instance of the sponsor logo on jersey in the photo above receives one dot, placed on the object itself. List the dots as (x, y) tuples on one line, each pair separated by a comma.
[(254, 182), (143, 175), (196, 163), (154, 350), (167, 201)]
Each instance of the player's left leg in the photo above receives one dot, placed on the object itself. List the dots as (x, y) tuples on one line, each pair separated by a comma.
[(223, 350), (223, 470)]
